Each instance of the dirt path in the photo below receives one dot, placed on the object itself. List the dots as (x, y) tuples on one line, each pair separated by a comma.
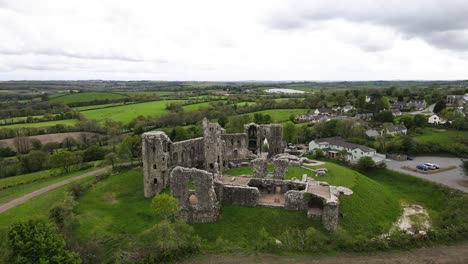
[(29, 196), (442, 254)]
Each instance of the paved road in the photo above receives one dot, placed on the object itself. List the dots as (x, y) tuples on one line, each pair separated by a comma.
[(442, 254), (450, 178), (429, 109), (29, 196)]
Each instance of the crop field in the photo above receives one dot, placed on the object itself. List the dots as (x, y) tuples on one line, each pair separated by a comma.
[(125, 113), (279, 115), (66, 122), (87, 97)]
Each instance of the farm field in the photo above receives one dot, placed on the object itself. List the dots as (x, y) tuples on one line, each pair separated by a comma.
[(56, 137), (92, 107), (125, 113), (279, 115), (66, 122), (147, 93), (192, 107), (87, 97)]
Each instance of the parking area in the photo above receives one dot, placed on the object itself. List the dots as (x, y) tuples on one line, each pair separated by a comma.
[(451, 178)]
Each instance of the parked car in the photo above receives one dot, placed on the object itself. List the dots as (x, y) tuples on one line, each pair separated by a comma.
[(432, 166), (409, 158), (422, 167)]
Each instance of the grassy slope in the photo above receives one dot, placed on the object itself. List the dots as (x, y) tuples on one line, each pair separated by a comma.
[(34, 182), (126, 113), (440, 136), (370, 210), (38, 207), (192, 107), (87, 97)]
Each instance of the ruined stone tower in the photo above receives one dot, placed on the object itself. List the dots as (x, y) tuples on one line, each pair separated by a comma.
[(156, 155), (213, 145)]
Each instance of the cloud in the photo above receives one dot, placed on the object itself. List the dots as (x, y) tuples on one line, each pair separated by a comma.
[(443, 24)]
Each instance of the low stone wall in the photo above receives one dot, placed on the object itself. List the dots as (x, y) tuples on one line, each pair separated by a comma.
[(330, 216), (240, 195), (269, 185)]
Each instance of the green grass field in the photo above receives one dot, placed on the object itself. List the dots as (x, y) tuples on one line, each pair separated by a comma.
[(66, 122), (192, 107), (87, 97), (433, 135), (279, 115), (38, 207), (126, 113), (34, 181), (147, 93), (92, 107)]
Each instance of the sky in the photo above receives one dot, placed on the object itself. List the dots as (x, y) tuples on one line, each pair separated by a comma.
[(237, 40)]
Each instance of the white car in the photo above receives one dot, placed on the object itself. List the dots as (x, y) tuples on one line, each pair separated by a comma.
[(432, 166)]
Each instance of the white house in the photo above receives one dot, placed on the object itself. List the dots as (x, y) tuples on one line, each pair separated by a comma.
[(435, 120), (334, 146), (347, 108), (372, 133)]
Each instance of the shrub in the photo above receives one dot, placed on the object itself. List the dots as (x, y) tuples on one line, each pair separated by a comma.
[(365, 163), (36, 241)]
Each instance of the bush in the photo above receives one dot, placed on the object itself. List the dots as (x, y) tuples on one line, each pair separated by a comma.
[(36, 241), (93, 153), (365, 163)]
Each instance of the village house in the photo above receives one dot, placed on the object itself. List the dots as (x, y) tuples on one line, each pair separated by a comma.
[(334, 147), (323, 111), (457, 99), (395, 112), (417, 104), (347, 108), (435, 120), (364, 116), (397, 129), (372, 133)]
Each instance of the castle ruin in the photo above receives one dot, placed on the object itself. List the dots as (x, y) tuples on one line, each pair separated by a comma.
[(193, 170)]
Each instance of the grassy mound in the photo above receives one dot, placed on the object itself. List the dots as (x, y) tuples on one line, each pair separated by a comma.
[(369, 211)]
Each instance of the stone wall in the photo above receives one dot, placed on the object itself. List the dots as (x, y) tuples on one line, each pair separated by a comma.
[(256, 135), (330, 216), (281, 168), (213, 146), (240, 195), (260, 167), (188, 153), (295, 201), (269, 185), (236, 147), (196, 206)]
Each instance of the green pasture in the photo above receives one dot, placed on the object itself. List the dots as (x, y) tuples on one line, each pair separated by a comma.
[(87, 97), (66, 122)]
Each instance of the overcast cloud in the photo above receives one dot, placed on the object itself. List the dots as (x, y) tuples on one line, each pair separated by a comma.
[(234, 40)]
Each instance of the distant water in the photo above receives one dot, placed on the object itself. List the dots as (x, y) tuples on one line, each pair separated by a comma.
[(284, 90)]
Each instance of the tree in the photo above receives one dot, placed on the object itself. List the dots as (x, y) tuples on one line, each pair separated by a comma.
[(365, 163), (36, 144), (69, 143), (64, 159), (131, 146), (419, 120), (22, 144), (36, 160), (111, 158), (164, 205), (222, 121), (319, 153), (289, 132), (384, 116), (439, 106), (36, 241), (93, 153), (384, 103)]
